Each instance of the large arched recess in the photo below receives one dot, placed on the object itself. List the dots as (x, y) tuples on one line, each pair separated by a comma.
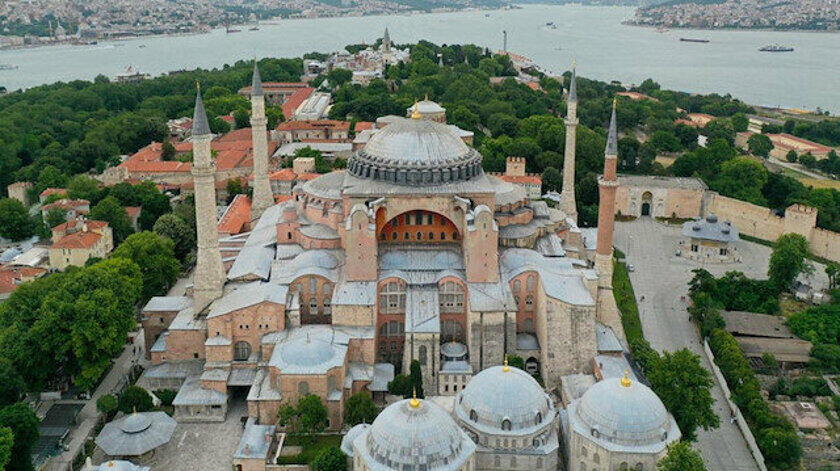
[(416, 226)]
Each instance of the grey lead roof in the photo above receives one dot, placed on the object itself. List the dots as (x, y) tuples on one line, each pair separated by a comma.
[(200, 127), (612, 136), (256, 83), (136, 434), (167, 303), (248, 295), (710, 229), (192, 394), (253, 443)]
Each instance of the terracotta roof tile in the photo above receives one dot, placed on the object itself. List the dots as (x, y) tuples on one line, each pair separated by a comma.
[(236, 216), (78, 240)]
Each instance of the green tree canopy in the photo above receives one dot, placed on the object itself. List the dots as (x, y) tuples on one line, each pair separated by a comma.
[(740, 122), (14, 220), (742, 178), (12, 386), (178, 231), (360, 409), (330, 459), (760, 145), (684, 386), (681, 457), (788, 260), (155, 255), (107, 404), (111, 211), (7, 441), (135, 398), (24, 425)]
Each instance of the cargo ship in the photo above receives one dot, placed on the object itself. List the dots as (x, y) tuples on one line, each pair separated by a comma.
[(776, 48), (694, 40)]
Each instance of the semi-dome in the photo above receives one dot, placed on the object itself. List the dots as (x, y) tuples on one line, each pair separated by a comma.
[(415, 434), (624, 412), (416, 152), (503, 398)]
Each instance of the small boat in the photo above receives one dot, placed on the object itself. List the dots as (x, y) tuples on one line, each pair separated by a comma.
[(8, 67), (776, 48), (550, 23), (141, 46), (254, 28), (694, 40)]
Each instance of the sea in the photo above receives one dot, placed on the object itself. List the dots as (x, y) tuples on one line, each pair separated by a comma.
[(551, 35)]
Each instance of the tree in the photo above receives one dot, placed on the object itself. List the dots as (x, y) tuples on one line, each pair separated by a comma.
[(401, 385), (360, 409), (832, 269), (760, 145), (12, 386), (740, 122), (684, 386), (338, 77), (7, 441), (178, 231), (235, 186), (330, 459), (681, 457), (791, 156), (14, 220), (55, 216), (83, 187), (155, 255), (166, 396), (552, 179), (311, 414), (135, 399), (742, 178), (24, 425), (788, 260), (516, 361), (167, 151), (107, 404), (241, 119), (111, 211), (416, 376)]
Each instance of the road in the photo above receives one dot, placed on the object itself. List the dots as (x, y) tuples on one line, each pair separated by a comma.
[(662, 278)]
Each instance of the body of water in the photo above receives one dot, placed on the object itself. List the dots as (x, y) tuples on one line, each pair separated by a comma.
[(604, 48)]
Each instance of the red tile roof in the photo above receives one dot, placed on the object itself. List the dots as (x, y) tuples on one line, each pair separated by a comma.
[(50, 191), (236, 217), (308, 176), (66, 205), (789, 142), (522, 179), (285, 174), (311, 124), (363, 125), (78, 240), (295, 100), (281, 198), (12, 276), (77, 223)]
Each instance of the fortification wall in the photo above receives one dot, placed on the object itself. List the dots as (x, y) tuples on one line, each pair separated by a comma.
[(825, 244), (750, 219)]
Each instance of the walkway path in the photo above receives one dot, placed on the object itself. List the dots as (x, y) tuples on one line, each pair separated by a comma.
[(662, 278), (88, 416)]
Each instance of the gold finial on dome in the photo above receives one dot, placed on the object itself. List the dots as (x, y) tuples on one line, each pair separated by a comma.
[(625, 381), (414, 403), (506, 368), (416, 113)]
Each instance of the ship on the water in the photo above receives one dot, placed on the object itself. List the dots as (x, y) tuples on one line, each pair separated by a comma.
[(776, 48), (694, 40)]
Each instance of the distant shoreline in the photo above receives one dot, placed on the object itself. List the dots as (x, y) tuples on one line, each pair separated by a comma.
[(700, 28)]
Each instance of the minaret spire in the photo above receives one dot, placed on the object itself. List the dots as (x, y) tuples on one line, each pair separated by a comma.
[(567, 197), (209, 274), (607, 311), (263, 197)]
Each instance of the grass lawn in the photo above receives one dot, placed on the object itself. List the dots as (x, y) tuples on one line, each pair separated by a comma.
[(312, 445), (625, 299), (817, 183), (789, 305)]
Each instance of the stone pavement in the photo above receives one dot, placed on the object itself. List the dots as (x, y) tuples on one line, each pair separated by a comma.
[(662, 278), (88, 416)]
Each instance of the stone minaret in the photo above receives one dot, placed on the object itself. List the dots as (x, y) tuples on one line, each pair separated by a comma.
[(567, 198), (607, 312), (209, 274), (262, 197)]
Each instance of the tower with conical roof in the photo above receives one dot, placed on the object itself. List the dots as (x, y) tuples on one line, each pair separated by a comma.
[(607, 311), (386, 42), (209, 275), (262, 197), (567, 197)]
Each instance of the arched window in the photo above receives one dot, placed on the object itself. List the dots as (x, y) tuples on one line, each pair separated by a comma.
[(392, 298), (623, 466), (583, 451), (529, 284), (506, 424), (517, 285), (241, 351), (529, 302), (596, 459), (422, 355), (538, 418), (431, 236), (473, 415), (497, 461), (451, 296), (313, 285), (303, 388), (443, 236), (419, 235), (640, 467)]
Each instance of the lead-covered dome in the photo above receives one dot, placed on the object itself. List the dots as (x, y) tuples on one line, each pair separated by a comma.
[(504, 399), (414, 434), (624, 412), (416, 152)]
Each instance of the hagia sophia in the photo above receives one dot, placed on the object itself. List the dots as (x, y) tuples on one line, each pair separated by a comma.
[(413, 253)]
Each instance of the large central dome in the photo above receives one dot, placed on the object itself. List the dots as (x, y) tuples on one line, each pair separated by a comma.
[(416, 152)]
